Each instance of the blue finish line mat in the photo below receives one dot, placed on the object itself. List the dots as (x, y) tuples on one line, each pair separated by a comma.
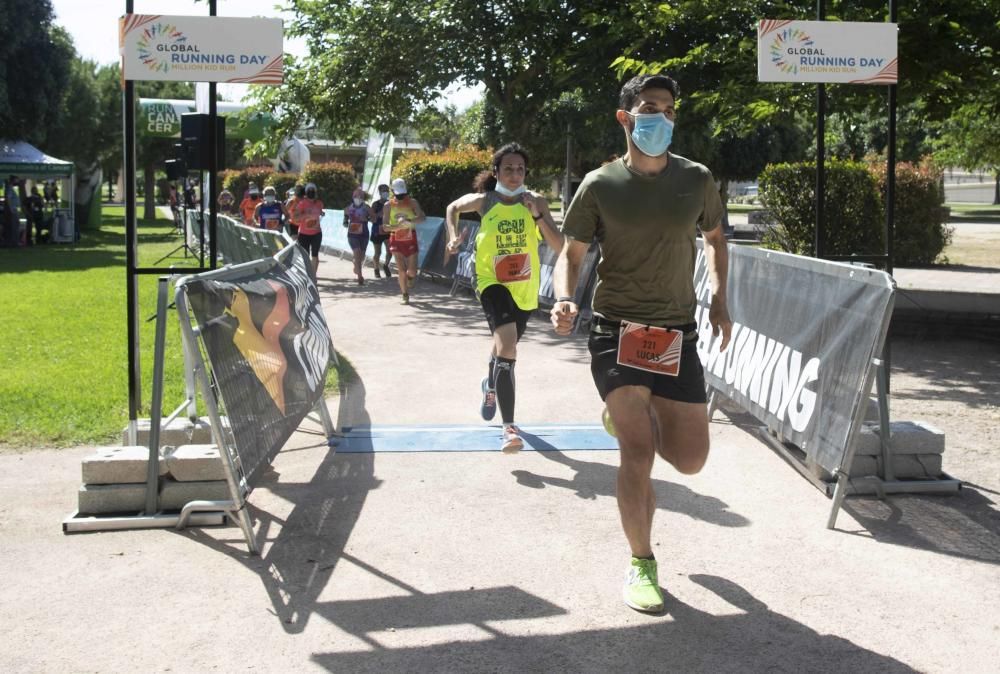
[(464, 438)]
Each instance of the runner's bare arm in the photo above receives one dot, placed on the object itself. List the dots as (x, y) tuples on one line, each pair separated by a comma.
[(565, 276), (464, 204), (387, 225), (717, 260), (553, 237), (418, 212)]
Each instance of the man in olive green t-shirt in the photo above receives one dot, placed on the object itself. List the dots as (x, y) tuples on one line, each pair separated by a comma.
[(643, 210)]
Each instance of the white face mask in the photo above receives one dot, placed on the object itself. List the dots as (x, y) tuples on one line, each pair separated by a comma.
[(357, 202), (508, 193), (384, 194), (268, 198)]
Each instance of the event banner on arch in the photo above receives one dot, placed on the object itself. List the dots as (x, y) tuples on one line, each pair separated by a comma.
[(840, 52), (201, 48)]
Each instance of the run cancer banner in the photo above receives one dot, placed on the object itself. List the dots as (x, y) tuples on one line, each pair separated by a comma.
[(842, 52), (269, 348), (161, 118), (201, 48), (804, 335)]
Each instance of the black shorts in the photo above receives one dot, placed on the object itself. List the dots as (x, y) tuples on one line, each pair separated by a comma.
[(293, 229), (687, 387), (500, 309), (380, 238), (311, 242)]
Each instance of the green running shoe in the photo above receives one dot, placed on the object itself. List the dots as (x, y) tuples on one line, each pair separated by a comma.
[(642, 589), (606, 420)]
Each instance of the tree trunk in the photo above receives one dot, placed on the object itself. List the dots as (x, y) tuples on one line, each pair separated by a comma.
[(149, 192), (996, 189)]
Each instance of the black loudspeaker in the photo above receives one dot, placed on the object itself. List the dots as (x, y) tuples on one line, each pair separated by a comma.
[(176, 170), (194, 138)]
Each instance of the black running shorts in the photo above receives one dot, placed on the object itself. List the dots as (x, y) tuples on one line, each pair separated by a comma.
[(311, 242), (500, 309), (687, 387)]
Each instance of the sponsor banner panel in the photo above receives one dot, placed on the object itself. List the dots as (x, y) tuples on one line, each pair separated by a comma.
[(335, 236), (201, 48), (269, 347), (161, 118), (378, 161), (804, 335), (845, 52)]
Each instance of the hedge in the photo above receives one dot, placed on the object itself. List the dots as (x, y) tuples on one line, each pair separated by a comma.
[(334, 181), (853, 210), (918, 223), (436, 179)]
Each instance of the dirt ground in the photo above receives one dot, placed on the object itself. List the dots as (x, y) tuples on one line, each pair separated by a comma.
[(953, 384)]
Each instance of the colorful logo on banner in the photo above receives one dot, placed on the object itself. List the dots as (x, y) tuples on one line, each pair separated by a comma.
[(157, 42), (787, 43)]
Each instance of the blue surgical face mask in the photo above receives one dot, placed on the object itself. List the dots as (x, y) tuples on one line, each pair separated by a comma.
[(509, 193), (652, 133)]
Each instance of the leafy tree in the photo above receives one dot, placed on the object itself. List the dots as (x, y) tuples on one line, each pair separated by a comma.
[(35, 63), (970, 138), (437, 128), (375, 63), (946, 50)]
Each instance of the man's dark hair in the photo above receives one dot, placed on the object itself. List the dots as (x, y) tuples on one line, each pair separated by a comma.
[(640, 83)]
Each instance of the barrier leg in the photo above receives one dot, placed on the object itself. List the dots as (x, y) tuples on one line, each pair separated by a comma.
[(838, 499)]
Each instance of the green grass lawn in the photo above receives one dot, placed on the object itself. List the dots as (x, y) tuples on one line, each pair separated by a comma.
[(974, 213), (65, 358)]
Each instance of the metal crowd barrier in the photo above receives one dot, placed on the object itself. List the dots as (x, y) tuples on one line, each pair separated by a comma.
[(237, 243)]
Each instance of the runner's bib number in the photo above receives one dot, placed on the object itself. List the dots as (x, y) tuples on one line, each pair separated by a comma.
[(514, 267), (356, 228), (650, 348)]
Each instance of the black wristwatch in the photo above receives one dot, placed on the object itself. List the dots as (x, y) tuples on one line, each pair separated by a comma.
[(564, 299)]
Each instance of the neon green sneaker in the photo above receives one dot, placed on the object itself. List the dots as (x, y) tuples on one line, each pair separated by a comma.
[(642, 589), (606, 420)]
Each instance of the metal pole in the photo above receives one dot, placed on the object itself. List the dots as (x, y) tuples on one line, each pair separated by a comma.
[(890, 202), (819, 236), (890, 176), (569, 161), (131, 244), (213, 168), (156, 403)]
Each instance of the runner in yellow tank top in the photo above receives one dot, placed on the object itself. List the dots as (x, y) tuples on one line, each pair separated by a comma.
[(399, 217), (514, 221)]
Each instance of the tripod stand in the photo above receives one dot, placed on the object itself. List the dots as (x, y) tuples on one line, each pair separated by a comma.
[(184, 244)]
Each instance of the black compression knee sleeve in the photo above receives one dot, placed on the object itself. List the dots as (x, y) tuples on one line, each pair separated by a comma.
[(503, 380)]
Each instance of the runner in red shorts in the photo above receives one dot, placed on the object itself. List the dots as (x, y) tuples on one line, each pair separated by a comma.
[(399, 216)]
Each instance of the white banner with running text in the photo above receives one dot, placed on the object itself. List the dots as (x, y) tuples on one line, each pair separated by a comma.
[(844, 52), (201, 48)]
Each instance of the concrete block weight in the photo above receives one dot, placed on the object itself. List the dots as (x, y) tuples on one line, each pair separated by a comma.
[(118, 465), (104, 499), (905, 437), (180, 431), (905, 467), (195, 463)]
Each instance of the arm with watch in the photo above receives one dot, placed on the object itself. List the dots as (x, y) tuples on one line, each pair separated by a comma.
[(565, 277)]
